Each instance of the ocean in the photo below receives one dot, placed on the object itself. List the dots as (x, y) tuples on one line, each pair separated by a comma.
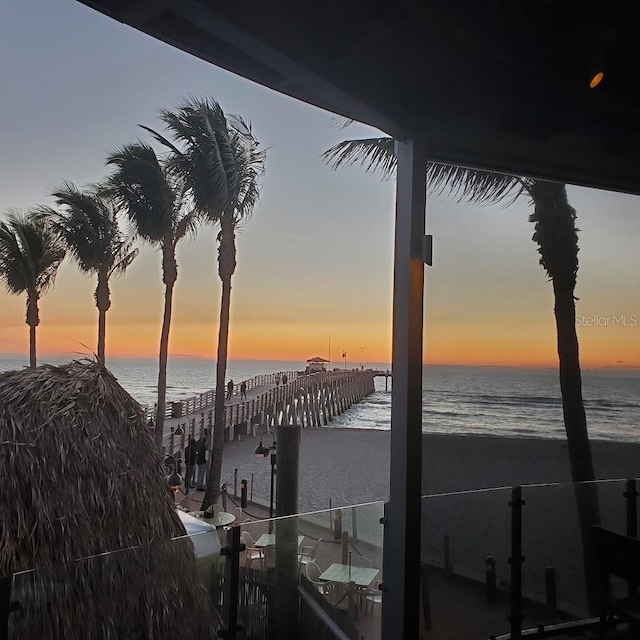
[(456, 400)]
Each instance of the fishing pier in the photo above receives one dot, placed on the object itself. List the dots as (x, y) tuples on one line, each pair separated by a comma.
[(310, 400)]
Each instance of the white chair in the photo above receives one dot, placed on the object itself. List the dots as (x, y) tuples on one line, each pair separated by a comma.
[(308, 554), (251, 552), (372, 598), (312, 571)]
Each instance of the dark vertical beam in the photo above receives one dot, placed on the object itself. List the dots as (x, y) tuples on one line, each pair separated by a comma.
[(401, 566), (230, 626), (286, 589), (515, 618)]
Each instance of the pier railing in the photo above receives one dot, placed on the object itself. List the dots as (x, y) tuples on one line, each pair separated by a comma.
[(310, 399), (204, 400)]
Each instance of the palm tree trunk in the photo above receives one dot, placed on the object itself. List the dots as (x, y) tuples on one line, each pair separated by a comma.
[(558, 241), (169, 275), (226, 268), (33, 320), (575, 422), (103, 303)]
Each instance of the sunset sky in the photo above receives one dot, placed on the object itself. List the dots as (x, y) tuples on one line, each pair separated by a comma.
[(315, 261)]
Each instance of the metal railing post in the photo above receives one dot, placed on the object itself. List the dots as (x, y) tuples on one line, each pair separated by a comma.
[(631, 499), (516, 560), (631, 496), (230, 627)]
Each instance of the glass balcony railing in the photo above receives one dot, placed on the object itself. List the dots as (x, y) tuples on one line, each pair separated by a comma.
[(492, 562)]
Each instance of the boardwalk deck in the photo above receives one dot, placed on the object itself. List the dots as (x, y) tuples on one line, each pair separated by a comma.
[(311, 400)]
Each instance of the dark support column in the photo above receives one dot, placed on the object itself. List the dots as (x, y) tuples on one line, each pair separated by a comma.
[(515, 618), (286, 590), (401, 568), (230, 626)]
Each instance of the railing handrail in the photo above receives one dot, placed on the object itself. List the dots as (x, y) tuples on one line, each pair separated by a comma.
[(206, 399)]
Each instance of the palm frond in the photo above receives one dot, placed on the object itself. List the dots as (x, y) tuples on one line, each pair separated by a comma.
[(87, 225), (144, 191), (473, 185), (126, 254), (219, 159), (30, 253), (187, 225), (376, 155)]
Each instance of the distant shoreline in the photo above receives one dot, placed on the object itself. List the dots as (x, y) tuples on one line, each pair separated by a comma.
[(606, 371)]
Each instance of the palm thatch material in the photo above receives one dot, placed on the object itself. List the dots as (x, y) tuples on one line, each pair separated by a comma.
[(81, 477)]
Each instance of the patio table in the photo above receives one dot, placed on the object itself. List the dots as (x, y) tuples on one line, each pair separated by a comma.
[(221, 519), (267, 539), (362, 576)]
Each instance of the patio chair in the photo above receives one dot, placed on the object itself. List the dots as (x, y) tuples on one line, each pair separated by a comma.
[(308, 554), (372, 598), (342, 596), (363, 594), (312, 571), (251, 552), (269, 556)]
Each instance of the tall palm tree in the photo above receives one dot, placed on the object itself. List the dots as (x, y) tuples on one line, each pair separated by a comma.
[(86, 223), (220, 162), (154, 202), (556, 235), (30, 255)]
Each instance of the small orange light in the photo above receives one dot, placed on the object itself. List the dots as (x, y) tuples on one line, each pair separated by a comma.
[(596, 80)]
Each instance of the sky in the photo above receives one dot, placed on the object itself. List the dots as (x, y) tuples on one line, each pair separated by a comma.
[(315, 261)]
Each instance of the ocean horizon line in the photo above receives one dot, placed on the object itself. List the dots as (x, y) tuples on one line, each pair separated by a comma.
[(614, 370)]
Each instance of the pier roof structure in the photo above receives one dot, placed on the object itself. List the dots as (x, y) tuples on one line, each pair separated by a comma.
[(488, 84)]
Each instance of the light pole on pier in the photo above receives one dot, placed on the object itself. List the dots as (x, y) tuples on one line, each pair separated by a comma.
[(361, 358), (344, 356)]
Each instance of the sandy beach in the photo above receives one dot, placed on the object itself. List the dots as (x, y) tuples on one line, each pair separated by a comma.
[(351, 466)]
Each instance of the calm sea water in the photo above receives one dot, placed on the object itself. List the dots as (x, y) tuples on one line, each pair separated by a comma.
[(460, 400)]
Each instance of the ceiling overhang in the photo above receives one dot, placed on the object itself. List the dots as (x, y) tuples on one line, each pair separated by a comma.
[(499, 85)]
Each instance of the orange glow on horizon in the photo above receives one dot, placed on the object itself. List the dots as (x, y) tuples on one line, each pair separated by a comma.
[(444, 345)]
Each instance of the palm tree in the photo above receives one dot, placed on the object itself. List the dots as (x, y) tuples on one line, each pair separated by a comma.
[(556, 235), (154, 202), (219, 163), (87, 225), (30, 255)]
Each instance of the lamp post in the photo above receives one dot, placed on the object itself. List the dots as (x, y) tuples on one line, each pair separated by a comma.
[(262, 451), (344, 355), (361, 358)]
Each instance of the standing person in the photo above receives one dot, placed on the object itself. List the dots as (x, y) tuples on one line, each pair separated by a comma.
[(229, 389), (277, 379), (284, 379), (201, 461), (190, 455), (243, 390)]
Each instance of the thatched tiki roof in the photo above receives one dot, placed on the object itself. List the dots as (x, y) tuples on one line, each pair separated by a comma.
[(80, 477)]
